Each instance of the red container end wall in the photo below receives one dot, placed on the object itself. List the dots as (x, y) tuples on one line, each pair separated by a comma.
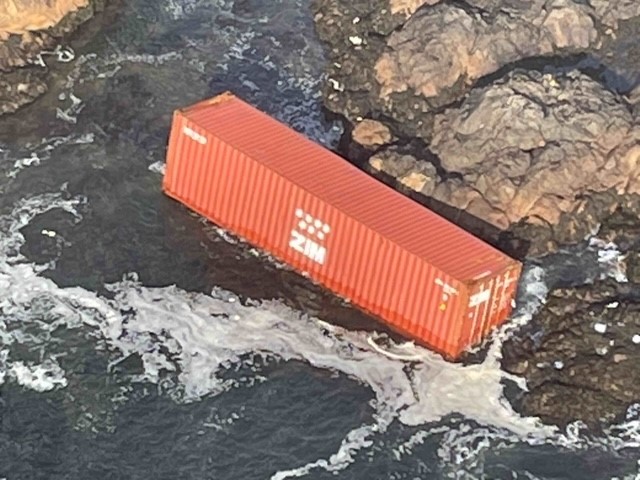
[(419, 273)]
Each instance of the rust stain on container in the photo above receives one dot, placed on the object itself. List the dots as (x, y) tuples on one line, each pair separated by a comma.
[(422, 275)]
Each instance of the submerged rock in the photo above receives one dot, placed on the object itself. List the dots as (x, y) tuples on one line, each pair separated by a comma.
[(29, 29)]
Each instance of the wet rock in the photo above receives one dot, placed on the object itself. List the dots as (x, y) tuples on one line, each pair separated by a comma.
[(20, 88), (371, 133), (593, 330), (599, 378), (416, 57), (530, 147), (30, 29)]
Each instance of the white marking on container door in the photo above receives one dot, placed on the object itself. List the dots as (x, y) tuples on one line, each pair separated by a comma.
[(487, 309), (508, 280)]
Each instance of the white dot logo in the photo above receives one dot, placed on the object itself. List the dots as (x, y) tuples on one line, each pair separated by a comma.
[(308, 236), (309, 225)]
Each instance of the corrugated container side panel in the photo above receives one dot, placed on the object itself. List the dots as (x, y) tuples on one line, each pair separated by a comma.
[(329, 177), (395, 274), (245, 196), (348, 289)]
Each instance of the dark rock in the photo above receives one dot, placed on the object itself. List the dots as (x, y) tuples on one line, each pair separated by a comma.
[(20, 88), (385, 61), (583, 366), (553, 158)]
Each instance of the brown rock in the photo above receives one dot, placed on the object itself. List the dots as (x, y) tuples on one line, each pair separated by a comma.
[(371, 133), (570, 27), (532, 145), (412, 173), (444, 45), (530, 148), (27, 29), (20, 16), (408, 7), (422, 55)]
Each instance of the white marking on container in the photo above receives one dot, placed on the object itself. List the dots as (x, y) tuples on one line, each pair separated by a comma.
[(446, 288), (476, 311), (193, 135), (301, 243), (488, 309), (479, 298)]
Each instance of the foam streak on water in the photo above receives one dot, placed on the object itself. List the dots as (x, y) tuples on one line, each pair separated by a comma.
[(200, 336)]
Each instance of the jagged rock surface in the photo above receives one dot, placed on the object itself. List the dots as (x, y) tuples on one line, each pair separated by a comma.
[(553, 158), (387, 61), (28, 28), (580, 353), (531, 146)]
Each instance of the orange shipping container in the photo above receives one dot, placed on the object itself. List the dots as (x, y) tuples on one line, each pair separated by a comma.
[(422, 275)]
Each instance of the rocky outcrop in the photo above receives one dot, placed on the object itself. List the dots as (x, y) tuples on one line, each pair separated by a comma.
[(23, 16), (28, 29), (481, 107), (581, 351), (387, 61), (582, 345), (530, 147)]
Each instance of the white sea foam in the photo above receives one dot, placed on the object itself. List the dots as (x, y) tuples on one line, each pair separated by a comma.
[(158, 167), (41, 378), (43, 152), (200, 336)]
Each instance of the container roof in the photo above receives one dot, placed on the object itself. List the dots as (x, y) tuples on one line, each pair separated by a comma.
[(357, 194)]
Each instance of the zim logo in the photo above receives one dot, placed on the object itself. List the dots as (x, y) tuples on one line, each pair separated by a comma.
[(307, 236)]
